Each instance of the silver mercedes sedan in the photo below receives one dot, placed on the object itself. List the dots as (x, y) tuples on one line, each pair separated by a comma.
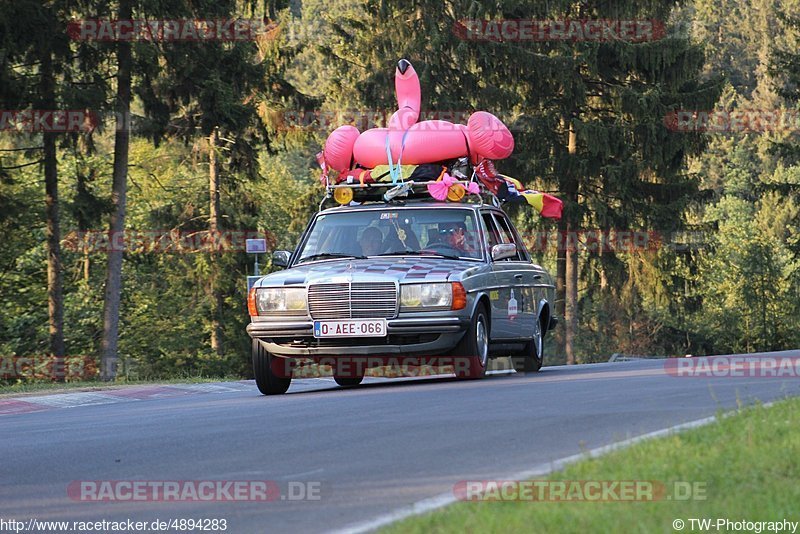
[(406, 284)]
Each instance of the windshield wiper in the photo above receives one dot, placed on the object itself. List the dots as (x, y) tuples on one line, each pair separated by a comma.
[(422, 253), (329, 256), (408, 253)]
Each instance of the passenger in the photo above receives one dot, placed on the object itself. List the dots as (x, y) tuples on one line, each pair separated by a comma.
[(371, 241)]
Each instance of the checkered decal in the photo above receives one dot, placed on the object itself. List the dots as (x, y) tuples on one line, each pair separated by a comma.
[(414, 269)]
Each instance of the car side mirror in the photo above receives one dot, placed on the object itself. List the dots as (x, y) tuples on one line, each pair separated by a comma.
[(280, 258), (503, 251)]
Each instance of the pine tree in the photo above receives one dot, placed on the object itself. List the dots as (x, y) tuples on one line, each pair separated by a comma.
[(211, 90), (33, 60)]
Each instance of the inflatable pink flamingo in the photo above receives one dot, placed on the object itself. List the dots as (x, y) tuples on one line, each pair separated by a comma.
[(411, 142)]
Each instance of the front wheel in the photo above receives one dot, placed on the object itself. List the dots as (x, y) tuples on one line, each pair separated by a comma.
[(270, 378), (471, 355), (530, 359), (346, 381)]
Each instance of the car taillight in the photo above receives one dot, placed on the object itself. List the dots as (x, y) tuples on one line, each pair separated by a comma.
[(251, 303), (459, 297)]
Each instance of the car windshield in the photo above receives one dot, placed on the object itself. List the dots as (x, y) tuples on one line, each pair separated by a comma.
[(449, 233)]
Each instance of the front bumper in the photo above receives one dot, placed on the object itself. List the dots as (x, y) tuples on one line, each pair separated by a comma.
[(413, 335)]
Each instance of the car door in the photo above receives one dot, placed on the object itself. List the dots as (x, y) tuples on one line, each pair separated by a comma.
[(514, 306)]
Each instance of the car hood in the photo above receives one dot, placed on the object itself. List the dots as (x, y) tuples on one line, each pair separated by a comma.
[(401, 269)]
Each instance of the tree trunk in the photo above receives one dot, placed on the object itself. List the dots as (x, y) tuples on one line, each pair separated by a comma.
[(571, 304), (604, 257), (55, 299), (86, 264), (113, 289), (571, 245), (561, 283), (83, 228), (213, 227)]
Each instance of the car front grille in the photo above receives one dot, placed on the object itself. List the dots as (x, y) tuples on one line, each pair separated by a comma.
[(355, 300)]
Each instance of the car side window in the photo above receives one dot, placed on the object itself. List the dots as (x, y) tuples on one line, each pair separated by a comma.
[(522, 250), (492, 236), (507, 235)]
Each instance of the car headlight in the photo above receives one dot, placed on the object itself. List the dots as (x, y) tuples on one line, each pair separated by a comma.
[(281, 300), (438, 295)]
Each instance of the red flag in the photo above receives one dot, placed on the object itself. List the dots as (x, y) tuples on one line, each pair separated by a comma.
[(552, 207)]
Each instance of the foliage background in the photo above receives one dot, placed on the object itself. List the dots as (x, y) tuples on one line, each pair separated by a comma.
[(724, 280)]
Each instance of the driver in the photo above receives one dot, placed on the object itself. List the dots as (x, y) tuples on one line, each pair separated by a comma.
[(455, 235), (371, 241)]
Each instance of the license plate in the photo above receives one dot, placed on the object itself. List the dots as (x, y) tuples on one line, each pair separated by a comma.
[(350, 328)]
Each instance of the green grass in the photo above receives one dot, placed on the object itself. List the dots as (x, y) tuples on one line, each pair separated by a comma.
[(94, 385), (749, 463)]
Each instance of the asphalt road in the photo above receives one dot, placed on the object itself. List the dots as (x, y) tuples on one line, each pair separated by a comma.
[(371, 449)]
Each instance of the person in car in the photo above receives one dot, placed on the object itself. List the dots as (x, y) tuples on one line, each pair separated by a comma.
[(455, 235), (371, 241)]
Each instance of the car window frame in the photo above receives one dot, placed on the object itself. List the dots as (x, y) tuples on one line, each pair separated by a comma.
[(521, 248), (489, 230), (522, 255)]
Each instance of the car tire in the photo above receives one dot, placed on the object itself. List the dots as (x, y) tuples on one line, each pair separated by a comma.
[(471, 355), (530, 359), (347, 381), (264, 365)]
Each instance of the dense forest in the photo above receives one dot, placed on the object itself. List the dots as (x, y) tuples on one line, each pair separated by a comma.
[(185, 146)]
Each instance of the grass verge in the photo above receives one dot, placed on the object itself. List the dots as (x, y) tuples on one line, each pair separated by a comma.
[(747, 463)]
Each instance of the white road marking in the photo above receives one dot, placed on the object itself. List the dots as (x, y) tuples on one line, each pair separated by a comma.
[(211, 388), (72, 400), (295, 476)]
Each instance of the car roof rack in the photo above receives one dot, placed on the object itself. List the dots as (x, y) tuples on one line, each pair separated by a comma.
[(353, 194)]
